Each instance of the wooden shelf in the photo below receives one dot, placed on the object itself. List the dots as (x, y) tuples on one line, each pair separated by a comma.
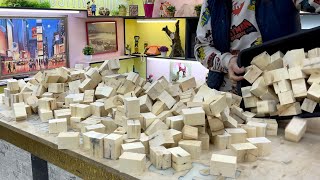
[(141, 17), (125, 57)]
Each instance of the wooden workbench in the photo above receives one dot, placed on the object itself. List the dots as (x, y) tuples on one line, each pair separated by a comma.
[(287, 161)]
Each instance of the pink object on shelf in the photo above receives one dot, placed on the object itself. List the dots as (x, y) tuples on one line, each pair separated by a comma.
[(148, 10)]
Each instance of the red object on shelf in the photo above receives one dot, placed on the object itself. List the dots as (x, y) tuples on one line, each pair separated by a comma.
[(148, 10)]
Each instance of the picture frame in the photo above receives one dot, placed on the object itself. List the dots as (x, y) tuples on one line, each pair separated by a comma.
[(102, 36)]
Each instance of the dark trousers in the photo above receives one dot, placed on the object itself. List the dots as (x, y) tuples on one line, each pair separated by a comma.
[(215, 79)]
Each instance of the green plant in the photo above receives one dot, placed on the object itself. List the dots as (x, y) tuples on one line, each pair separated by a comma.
[(88, 50), (171, 9), (122, 6), (198, 7), (26, 3), (115, 12)]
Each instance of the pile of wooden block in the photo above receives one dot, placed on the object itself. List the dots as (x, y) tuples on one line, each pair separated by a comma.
[(121, 116)]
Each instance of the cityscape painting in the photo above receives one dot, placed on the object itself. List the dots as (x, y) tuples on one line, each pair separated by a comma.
[(32, 44)]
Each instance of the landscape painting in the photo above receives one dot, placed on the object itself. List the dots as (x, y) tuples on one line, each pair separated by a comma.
[(102, 36), (28, 45)]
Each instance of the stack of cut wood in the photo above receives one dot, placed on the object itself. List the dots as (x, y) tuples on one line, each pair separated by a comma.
[(121, 116)]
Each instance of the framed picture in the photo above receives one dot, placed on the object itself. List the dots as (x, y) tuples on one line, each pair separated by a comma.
[(102, 36), (28, 45)]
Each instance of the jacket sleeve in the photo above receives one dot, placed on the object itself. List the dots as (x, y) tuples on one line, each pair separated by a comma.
[(205, 52), (308, 5)]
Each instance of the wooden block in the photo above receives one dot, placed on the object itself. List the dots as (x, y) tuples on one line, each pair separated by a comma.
[(110, 125), (80, 110), (136, 147), (74, 86), (299, 88), (133, 77), (187, 83), (192, 147), (175, 122), (58, 126), (97, 109), (251, 131), (177, 108), (33, 102), (223, 165), (290, 109), (272, 127), (94, 74), (262, 60), (311, 66), (167, 99), (45, 115), (238, 135), (314, 78), (56, 87), (276, 61), (157, 125), (96, 145), (215, 124), (286, 97), (160, 157), (314, 92), (283, 86), (63, 113), (132, 163), (296, 73), (158, 108), (263, 144), (112, 146), (47, 95), (75, 123), (190, 133), (215, 105), (246, 91), (68, 140), (104, 92), (260, 128), (313, 53), (295, 129), (114, 64), (145, 104), (163, 115), (133, 129), (126, 87), (39, 90), (308, 105), (205, 141), (19, 111), (38, 76), (28, 110), (77, 75), (87, 84), (86, 138), (194, 116), (252, 74), (294, 58), (221, 141), (148, 119), (13, 85), (47, 103), (246, 152), (100, 128), (132, 107), (161, 138), (88, 96), (155, 90), (266, 107), (181, 159), (259, 87)]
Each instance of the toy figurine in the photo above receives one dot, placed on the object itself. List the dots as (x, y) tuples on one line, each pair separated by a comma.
[(89, 9), (136, 44), (93, 8)]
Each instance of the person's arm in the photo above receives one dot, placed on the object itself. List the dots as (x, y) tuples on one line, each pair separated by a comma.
[(205, 52), (308, 5)]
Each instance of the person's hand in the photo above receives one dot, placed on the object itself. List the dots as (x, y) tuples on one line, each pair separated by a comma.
[(234, 69)]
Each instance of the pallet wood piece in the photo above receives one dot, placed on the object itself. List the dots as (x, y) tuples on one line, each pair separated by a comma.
[(193, 147), (269, 95), (96, 145), (262, 60), (161, 138), (237, 118), (266, 107), (145, 104), (299, 88), (177, 108), (63, 113), (181, 159), (314, 78), (294, 58), (190, 133), (215, 105), (280, 74), (132, 107), (45, 114), (160, 157), (221, 141), (80, 110), (136, 147), (164, 82), (167, 99), (58, 126), (251, 131), (205, 141), (75, 123), (215, 124), (155, 90), (97, 109), (157, 125), (314, 92), (194, 116), (47, 103), (158, 107), (308, 105), (100, 128), (87, 84), (19, 111), (112, 146), (223, 165), (263, 144), (175, 122), (56, 87), (290, 109), (286, 97), (64, 74), (132, 163), (296, 73), (68, 140), (238, 135), (13, 85), (110, 125), (187, 83), (245, 152), (260, 128), (230, 122), (88, 96), (252, 74), (133, 129), (148, 119), (295, 129)]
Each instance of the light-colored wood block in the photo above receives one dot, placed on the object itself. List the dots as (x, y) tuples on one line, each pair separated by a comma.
[(286, 97), (215, 124), (47, 103), (187, 83), (45, 115), (176, 135), (205, 141), (28, 110), (126, 87), (155, 90), (263, 144), (68, 140), (283, 86), (313, 53), (314, 92), (276, 61), (56, 87), (299, 88), (47, 95), (250, 102), (272, 127), (266, 107), (148, 119), (94, 74), (167, 99), (136, 147), (88, 96), (104, 92), (112, 146), (157, 125), (259, 87), (19, 111), (260, 128), (100, 128), (246, 152), (194, 116), (190, 133), (145, 104), (296, 73), (87, 84), (252, 74), (295, 129), (161, 138), (132, 163), (251, 131), (96, 145), (74, 86), (86, 138), (97, 109), (133, 77), (160, 157), (181, 159), (290, 109), (133, 129), (58, 126), (294, 58), (80, 110), (177, 108), (13, 85), (158, 108), (63, 113), (262, 60), (221, 141), (132, 107), (192, 147), (314, 78), (223, 165), (246, 91), (215, 105), (110, 124), (308, 105), (238, 135), (175, 122)]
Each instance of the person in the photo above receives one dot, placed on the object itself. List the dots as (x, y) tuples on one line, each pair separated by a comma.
[(93, 8), (227, 27)]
